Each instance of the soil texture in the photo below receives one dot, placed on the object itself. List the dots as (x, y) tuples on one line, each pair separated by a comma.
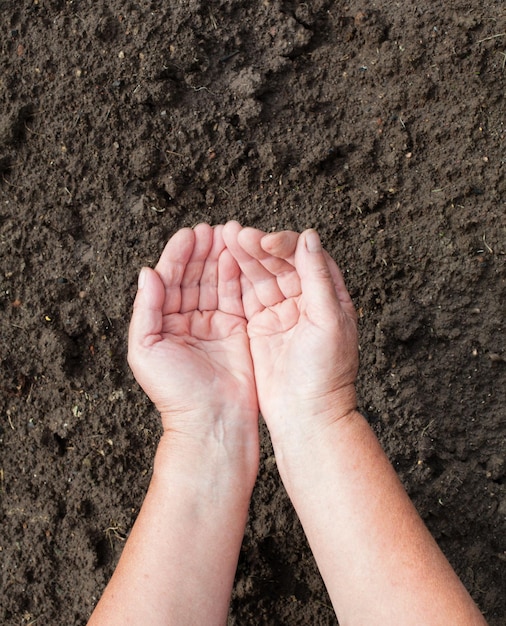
[(381, 124)]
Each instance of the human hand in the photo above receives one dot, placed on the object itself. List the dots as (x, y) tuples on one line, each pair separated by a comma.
[(188, 345), (189, 350), (302, 327)]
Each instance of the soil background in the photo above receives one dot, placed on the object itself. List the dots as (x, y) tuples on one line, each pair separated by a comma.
[(381, 124)]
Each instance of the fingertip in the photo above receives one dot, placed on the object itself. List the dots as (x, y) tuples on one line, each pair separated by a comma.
[(281, 244), (316, 279), (232, 226), (178, 249), (230, 231), (312, 240), (149, 287), (269, 241), (147, 309), (218, 230), (204, 235), (204, 226), (141, 280), (185, 234), (217, 247), (310, 255), (248, 232)]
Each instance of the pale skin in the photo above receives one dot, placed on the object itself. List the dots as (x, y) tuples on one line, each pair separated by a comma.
[(189, 350), (255, 321)]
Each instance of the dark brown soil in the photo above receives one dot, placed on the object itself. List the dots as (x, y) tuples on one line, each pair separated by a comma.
[(381, 124)]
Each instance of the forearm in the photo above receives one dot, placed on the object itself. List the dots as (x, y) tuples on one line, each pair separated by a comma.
[(179, 562), (378, 560)]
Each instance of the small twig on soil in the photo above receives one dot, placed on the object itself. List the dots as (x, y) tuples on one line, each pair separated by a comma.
[(487, 246), (183, 156), (34, 132), (227, 57), (492, 37), (18, 326), (10, 184), (202, 88), (115, 531), (213, 21)]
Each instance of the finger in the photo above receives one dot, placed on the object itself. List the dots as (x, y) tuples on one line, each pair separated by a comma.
[(340, 287), (251, 239), (320, 299), (281, 244), (190, 285), (251, 303), (264, 283), (229, 285), (208, 296), (146, 322), (287, 278), (172, 265)]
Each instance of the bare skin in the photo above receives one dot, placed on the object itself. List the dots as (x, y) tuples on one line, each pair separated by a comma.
[(232, 320), (189, 350), (378, 561)]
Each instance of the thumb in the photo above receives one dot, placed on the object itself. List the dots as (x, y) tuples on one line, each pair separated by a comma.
[(146, 322), (317, 284)]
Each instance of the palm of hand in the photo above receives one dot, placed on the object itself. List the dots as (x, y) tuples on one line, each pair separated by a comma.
[(288, 352), (302, 325), (301, 368), (188, 345), (202, 359)]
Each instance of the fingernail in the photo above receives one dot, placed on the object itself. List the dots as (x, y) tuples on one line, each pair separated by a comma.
[(142, 278), (313, 243)]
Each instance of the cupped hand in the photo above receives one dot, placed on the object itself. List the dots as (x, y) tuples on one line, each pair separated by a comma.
[(188, 345), (302, 327)]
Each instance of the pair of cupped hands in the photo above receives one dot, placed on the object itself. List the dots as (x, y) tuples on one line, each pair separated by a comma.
[(233, 321)]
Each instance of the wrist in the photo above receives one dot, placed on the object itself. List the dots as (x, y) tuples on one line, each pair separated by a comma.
[(300, 421), (219, 458), (303, 459)]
